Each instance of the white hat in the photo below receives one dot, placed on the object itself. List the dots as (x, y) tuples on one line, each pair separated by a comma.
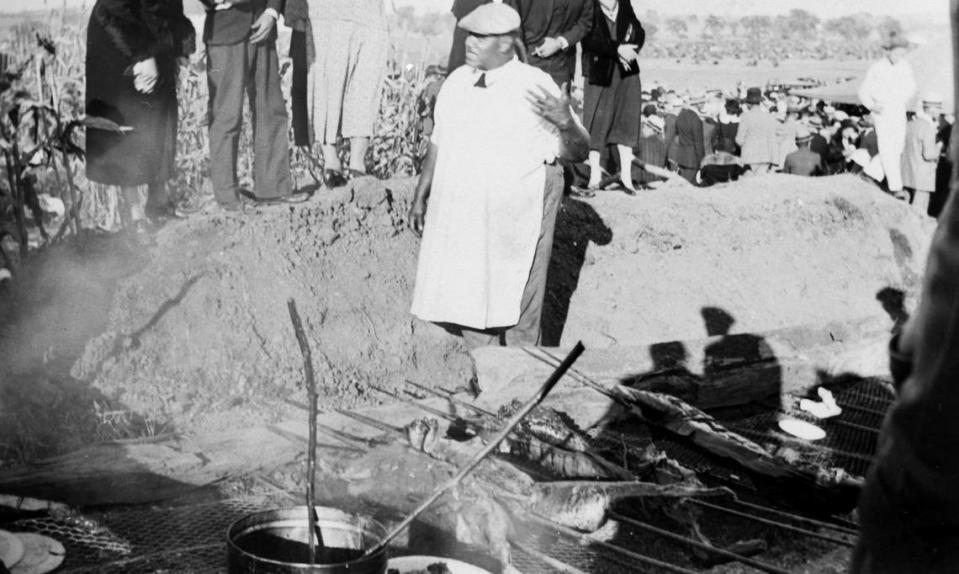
[(491, 20)]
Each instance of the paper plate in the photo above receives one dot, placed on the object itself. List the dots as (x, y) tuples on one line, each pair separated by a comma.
[(802, 429), (418, 564), (11, 549), (41, 554)]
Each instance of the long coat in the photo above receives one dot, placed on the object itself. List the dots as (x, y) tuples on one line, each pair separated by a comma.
[(686, 143), (120, 34), (600, 56)]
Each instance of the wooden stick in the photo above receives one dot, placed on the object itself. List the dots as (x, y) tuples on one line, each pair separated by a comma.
[(314, 531), (489, 448)]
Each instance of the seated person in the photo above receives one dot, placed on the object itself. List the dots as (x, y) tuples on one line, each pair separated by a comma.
[(803, 161)]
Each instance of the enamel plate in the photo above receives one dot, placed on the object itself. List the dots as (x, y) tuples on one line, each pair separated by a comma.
[(11, 549), (802, 429), (41, 554), (417, 564)]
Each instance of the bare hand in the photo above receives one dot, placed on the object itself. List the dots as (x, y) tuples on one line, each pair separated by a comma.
[(628, 53), (262, 28), (549, 47), (552, 109), (145, 75), (416, 217)]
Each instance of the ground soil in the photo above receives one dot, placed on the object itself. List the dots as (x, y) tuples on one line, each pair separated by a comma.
[(195, 333)]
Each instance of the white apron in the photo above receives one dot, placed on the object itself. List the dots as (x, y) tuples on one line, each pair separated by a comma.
[(485, 207)]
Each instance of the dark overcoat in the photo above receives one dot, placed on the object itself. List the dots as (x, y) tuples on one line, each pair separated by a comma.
[(600, 56), (120, 34)]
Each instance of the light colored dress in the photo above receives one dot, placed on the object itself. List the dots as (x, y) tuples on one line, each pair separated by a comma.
[(485, 208), (351, 38), (890, 87)]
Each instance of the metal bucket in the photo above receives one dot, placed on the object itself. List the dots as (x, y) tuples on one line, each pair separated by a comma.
[(276, 542)]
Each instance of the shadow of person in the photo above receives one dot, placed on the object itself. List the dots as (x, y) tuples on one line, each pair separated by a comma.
[(577, 224), (741, 360), (893, 303)]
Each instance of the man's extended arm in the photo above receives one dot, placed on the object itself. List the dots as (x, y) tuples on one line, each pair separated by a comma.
[(417, 215)]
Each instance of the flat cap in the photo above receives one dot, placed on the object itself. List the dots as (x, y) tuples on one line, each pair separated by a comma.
[(491, 20)]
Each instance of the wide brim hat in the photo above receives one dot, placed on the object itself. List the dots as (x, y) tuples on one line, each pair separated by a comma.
[(754, 96), (894, 39), (803, 134), (493, 19)]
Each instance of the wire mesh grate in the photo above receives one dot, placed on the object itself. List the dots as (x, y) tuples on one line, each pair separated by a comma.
[(184, 539)]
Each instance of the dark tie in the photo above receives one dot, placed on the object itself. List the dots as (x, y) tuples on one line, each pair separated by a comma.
[(481, 82)]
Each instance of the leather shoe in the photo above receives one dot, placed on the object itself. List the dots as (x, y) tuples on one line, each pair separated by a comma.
[(333, 178)]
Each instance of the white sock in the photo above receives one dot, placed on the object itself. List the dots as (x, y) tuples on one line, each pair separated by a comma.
[(595, 172)]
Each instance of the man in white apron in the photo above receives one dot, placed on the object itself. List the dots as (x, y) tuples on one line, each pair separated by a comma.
[(887, 89), (487, 199)]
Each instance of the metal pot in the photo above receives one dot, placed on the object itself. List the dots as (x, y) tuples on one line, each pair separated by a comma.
[(276, 542)]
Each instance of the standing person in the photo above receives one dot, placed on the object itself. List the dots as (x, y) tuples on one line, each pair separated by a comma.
[(686, 145), (651, 150), (786, 132), (921, 153), (612, 104), (886, 90), (458, 49), (756, 135), (487, 199), (131, 66), (909, 507), (550, 30), (242, 60), (727, 125), (803, 161), (352, 44)]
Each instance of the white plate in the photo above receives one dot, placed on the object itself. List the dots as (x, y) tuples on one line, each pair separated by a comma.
[(802, 429), (11, 549), (41, 554), (407, 564)]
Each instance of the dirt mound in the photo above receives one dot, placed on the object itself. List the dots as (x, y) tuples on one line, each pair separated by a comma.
[(202, 335), (204, 328), (768, 252)]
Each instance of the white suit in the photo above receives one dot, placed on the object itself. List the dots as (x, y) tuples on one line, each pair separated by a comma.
[(886, 90)]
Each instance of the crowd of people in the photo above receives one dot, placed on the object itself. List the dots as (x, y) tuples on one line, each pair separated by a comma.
[(504, 133), (134, 48)]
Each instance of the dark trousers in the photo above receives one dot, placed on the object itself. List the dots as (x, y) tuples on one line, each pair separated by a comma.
[(527, 332), (253, 69)]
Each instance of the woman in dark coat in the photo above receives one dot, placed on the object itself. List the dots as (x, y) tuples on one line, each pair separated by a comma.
[(612, 99), (133, 48)]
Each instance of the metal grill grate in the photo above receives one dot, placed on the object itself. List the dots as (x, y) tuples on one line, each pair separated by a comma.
[(188, 539)]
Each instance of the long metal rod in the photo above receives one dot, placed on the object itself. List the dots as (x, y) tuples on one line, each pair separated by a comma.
[(861, 409), (797, 518), (855, 426), (835, 451), (689, 541), (424, 408), (449, 396), (768, 522), (549, 560), (493, 444), (379, 425), (592, 539)]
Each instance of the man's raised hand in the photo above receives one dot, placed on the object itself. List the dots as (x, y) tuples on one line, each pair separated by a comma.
[(553, 109)]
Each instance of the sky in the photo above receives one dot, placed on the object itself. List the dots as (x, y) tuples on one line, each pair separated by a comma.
[(925, 9)]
